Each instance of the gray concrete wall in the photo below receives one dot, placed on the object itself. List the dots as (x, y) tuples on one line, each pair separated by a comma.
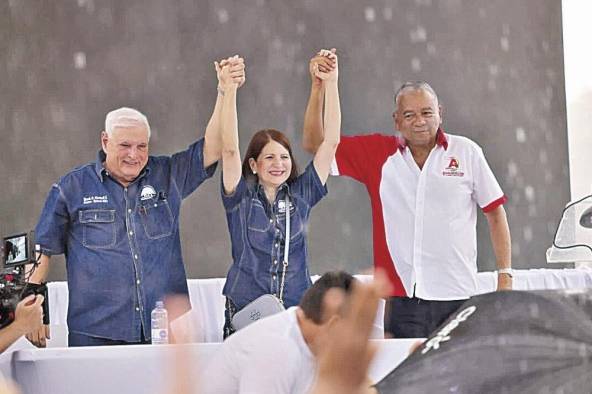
[(497, 66)]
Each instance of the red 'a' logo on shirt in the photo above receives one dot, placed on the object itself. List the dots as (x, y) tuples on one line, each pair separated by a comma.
[(453, 168), (453, 164)]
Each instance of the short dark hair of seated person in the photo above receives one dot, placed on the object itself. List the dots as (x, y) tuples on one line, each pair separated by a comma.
[(312, 301)]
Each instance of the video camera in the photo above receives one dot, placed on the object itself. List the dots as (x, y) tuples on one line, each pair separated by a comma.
[(19, 251)]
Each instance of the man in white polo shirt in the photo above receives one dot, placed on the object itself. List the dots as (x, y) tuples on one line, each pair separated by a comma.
[(278, 354), (424, 189)]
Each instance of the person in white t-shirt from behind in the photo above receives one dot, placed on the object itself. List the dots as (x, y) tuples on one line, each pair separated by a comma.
[(278, 354)]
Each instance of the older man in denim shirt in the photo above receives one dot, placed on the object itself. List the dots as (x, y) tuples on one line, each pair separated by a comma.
[(117, 221)]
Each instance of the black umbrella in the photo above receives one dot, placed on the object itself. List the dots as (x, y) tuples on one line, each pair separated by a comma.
[(505, 342)]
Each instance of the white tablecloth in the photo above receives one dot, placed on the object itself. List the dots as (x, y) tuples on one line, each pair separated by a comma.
[(144, 369), (206, 299), (208, 302), (539, 279), (207, 314)]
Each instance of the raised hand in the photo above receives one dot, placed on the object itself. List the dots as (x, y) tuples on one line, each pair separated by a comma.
[(323, 66), (230, 72)]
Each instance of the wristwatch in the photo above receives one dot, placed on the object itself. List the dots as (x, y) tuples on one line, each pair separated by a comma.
[(507, 271)]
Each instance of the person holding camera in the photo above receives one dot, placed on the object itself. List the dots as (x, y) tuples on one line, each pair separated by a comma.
[(28, 317)]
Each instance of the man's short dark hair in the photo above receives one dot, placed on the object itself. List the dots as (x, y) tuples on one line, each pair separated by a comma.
[(312, 301)]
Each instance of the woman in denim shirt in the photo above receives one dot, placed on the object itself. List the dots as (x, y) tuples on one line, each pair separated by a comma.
[(254, 196)]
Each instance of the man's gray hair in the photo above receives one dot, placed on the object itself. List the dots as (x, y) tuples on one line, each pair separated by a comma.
[(125, 117), (414, 85)]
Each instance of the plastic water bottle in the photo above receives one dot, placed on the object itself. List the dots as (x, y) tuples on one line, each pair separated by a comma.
[(160, 324)]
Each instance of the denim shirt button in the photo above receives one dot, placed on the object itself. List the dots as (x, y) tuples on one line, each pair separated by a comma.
[(273, 276), (137, 309), (131, 233), (274, 262), (136, 256), (270, 220), (129, 210), (138, 282)]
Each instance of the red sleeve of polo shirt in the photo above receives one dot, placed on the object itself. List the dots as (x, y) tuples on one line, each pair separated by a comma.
[(486, 190), (358, 155), (490, 207)]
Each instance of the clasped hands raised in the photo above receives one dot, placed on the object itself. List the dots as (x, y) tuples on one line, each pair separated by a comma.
[(231, 71), (323, 66)]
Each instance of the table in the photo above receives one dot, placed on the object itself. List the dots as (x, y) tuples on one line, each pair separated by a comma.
[(539, 279), (139, 369), (208, 302), (146, 369)]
